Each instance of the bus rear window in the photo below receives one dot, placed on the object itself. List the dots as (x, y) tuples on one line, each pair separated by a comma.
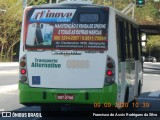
[(89, 18)]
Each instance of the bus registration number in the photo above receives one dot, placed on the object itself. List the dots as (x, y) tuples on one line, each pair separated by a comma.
[(65, 97)]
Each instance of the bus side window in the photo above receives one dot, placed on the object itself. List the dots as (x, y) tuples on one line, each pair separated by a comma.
[(128, 52), (130, 41), (118, 41), (139, 43), (135, 43), (122, 40)]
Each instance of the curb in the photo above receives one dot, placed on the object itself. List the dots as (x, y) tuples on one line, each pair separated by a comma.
[(3, 64)]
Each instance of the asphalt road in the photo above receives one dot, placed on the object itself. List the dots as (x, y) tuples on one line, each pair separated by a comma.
[(8, 73), (149, 99)]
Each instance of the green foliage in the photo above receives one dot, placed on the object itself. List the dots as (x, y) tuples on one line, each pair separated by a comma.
[(10, 24), (153, 43), (153, 46), (38, 2), (10, 21), (119, 4), (147, 14)]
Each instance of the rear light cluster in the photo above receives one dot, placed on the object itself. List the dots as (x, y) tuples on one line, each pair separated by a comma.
[(110, 71), (23, 69)]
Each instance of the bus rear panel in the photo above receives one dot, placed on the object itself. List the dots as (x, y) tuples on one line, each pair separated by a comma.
[(64, 56)]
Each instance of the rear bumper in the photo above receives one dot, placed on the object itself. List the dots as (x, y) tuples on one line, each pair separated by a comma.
[(38, 96)]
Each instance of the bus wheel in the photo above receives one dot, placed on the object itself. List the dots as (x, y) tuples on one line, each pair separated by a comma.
[(49, 110), (125, 107), (126, 99), (126, 95)]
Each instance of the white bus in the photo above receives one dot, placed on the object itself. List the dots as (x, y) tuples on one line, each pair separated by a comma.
[(83, 54)]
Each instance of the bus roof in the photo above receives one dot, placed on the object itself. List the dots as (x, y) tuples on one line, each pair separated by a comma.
[(73, 5), (119, 13), (79, 5)]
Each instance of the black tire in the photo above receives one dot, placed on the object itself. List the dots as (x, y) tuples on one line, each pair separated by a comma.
[(123, 109), (126, 95)]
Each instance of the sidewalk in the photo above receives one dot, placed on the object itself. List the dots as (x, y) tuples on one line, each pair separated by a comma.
[(3, 64), (152, 62)]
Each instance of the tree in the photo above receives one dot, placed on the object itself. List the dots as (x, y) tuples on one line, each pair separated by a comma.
[(10, 27), (153, 46), (147, 14), (38, 2), (11, 17)]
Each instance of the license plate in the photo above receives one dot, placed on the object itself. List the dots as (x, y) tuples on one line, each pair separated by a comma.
[(65, 97)]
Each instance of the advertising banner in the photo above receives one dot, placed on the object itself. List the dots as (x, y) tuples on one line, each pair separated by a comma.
[(63, 29)]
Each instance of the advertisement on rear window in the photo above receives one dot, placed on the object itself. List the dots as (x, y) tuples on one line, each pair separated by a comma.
[(64, 29)]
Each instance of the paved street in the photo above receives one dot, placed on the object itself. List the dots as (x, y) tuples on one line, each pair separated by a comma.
[(9, 89)]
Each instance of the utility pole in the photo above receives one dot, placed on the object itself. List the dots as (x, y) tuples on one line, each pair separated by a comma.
[(133, 12), (113, 3), (128, 9), (24, 4), (50, 1)]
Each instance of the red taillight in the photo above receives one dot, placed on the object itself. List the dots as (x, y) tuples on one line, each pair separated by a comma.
[(23, 71), (109, 73), (22, 63)]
